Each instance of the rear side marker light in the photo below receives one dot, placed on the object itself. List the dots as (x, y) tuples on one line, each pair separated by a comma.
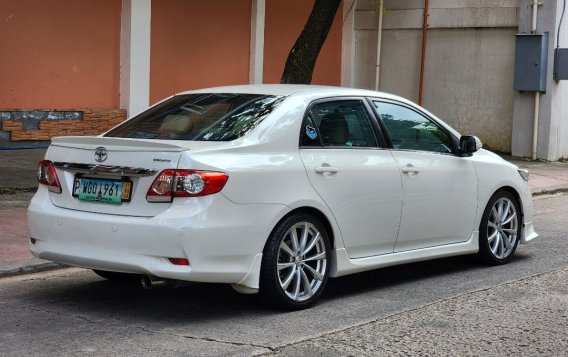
[(172, 183), (46, 175), (179, 261)]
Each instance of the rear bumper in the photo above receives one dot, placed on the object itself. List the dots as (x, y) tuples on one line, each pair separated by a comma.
[(220, 238)]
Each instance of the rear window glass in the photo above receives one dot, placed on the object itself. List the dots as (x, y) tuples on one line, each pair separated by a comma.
[(200, 117)]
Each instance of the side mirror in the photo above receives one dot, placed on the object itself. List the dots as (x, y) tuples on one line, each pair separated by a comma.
[(469, 145)]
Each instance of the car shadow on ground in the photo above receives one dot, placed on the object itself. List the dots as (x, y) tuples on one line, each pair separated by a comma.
[(201, 303), (405, 274)]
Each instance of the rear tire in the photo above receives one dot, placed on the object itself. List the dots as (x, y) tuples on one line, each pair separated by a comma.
[(115, 276), (295, 263), (500, 229)]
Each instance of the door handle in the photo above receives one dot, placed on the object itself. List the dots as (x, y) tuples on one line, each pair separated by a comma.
[(410, 169), (326, 170)]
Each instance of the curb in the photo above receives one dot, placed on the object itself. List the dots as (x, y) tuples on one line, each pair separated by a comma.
[(29, 268), (5, 190), (550, 190)]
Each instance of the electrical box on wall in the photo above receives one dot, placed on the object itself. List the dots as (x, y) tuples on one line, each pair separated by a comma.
[(531, 58), (560, 64)]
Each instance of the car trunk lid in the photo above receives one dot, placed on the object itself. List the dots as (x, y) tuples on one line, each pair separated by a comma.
[(118, 160)]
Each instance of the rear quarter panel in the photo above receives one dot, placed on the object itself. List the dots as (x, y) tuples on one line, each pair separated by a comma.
[(265, 166)]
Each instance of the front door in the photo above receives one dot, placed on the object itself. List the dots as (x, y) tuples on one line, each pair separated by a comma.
[(440, 188)]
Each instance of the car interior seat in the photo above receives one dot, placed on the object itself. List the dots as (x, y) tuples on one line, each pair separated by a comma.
[(334, 129)]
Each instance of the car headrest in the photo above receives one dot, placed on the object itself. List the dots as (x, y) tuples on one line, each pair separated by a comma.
[(334, 129)]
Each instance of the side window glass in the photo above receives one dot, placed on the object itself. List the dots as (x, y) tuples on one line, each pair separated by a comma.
[(343, 123), (409, 130)]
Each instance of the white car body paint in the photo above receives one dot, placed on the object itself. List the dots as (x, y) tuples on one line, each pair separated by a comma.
[(443, 189), (370, 217), (223, 235)]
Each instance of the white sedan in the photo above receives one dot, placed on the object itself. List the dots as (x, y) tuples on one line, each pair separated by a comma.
[(274, 189)]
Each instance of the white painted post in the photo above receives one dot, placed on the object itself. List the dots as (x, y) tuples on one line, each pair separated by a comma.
[(348, 44), (135, 55), (257, 41)]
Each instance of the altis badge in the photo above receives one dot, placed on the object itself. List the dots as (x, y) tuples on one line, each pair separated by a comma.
[(311, 132)]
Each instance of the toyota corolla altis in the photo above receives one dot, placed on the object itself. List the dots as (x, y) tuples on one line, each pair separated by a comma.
[(274, 189)]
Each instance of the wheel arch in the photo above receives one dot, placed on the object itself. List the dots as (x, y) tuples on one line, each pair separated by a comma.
[(517, 196), (315, 212)]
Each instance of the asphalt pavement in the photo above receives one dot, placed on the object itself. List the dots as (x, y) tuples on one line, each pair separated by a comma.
[(18, 183)]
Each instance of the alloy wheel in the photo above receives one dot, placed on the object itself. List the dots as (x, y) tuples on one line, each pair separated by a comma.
[(302, 261), (502, 228)]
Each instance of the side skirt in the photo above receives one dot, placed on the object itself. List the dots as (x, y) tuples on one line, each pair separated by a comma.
[(343, 265)]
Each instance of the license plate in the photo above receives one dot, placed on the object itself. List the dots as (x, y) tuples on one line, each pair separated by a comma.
[(102, 190)]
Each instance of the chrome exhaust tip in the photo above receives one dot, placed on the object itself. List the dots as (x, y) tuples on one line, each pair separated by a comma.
[(151, 282)]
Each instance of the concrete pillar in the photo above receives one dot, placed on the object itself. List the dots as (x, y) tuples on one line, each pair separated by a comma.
[(257, 41), (553, 113), (135, 55), (348, 44)]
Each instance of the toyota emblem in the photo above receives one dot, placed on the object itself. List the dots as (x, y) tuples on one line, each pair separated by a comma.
[(100, 154)]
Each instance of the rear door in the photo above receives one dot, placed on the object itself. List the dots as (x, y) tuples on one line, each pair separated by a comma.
[(440, 188), (357, 178)]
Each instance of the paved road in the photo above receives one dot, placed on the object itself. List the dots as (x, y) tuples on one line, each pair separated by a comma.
[(449, 307)]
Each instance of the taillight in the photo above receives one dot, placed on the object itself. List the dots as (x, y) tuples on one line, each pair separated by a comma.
[(172, 183), (46, 175)]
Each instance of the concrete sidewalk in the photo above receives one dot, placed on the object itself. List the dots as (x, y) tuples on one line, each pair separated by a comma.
[(18, 183), (17, 186)]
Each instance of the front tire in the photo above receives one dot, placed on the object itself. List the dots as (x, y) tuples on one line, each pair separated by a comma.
[(295, 263), (500, 229)]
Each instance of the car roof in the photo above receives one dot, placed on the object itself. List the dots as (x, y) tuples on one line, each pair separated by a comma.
[(296, 89), (314, 91)]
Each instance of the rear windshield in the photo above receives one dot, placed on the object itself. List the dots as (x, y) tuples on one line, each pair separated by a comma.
[(200, 117)]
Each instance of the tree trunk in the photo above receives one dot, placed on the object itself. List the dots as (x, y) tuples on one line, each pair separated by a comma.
[(302, 58)]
